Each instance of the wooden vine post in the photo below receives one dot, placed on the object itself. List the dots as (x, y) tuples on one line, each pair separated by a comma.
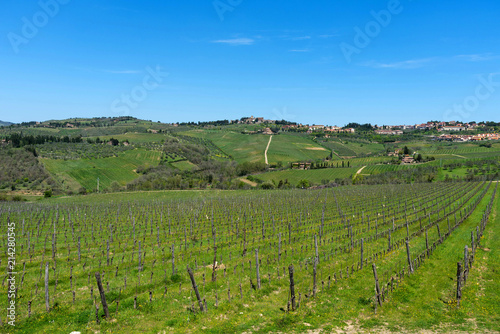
[(292, 287), (195, 288), (410, 265), (47, 301), (101, 292), (377, 287), (257, 267)]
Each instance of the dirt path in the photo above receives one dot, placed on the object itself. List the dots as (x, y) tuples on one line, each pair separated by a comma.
[(253, 184), (360, 170), (460, 156), (267, 148)]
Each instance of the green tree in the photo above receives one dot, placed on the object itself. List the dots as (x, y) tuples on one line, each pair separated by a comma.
[(303, 184)]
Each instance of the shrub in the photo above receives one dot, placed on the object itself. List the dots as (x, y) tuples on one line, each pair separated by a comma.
[(267, 185), (303, 184), (47, 193)]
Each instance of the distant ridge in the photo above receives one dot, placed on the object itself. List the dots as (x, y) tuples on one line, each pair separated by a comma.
[(2, 123)]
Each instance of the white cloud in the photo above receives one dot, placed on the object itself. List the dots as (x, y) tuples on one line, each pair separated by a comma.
[(236, 41), (477, 57), (304, 50), (406, 64)]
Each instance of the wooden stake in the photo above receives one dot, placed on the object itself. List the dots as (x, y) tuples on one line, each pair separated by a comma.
[(47, 302), (101, 292), (292, 286), (195, 287), (377, 287), (257, 267)]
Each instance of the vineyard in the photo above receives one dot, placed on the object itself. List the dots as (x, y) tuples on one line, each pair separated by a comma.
[(257, 262), (315, 175), (84, 172)]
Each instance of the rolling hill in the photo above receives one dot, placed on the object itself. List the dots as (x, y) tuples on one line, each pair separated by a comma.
[(3, 123)]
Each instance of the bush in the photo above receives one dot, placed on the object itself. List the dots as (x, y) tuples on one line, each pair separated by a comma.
[(47, 193), (303, 184), (115, 186), (267, 185), (17, 198)]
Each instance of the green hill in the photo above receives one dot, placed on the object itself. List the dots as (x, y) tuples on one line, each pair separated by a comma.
[(284, 148), (3, 123)]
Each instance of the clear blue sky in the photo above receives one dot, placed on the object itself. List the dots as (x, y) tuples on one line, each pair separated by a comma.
[(305, 61)]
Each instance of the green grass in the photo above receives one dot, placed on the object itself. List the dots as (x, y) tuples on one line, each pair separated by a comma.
[(426, 299), (285, 148), (183, 165), (84, 172), (243, 147), (353, 148)]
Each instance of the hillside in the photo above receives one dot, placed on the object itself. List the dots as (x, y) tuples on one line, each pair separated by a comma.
[(3, 123), (134, 154)]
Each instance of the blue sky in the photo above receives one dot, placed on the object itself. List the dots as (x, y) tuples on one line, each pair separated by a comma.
[(322, 62)]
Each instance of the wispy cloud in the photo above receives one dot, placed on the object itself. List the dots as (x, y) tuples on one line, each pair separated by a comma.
[(299, 38), (236, 41), (477, 57), (406, 64), (329, 36), (300, 50), (418, 63)]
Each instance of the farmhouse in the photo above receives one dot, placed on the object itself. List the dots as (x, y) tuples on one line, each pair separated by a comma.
[(453, 128), (301, 165), (267, 131), (389, 132), (407, 160)]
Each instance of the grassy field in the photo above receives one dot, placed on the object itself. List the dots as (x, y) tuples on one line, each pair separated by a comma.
[(183, 165), (243, 147), (84, 172), (352, 148), (286, 149)]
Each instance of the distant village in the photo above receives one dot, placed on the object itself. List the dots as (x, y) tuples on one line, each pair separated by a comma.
[(451, 128), (452, 131)]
